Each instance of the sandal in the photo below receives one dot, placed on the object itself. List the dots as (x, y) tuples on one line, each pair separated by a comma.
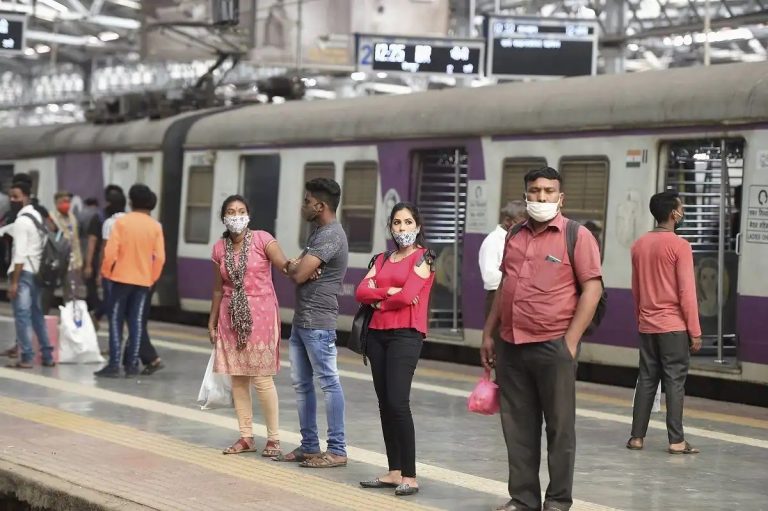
[(272, 449), (240, 446), (19, 365), (689, 449), (327, 460), (634, 447), (296, 456)]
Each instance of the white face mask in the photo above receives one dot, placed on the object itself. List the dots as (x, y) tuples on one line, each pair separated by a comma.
[(542, 211), (236, 224), (405, 239)]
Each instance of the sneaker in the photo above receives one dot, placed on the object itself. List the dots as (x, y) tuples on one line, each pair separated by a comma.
[(108, 372), (131, 372)]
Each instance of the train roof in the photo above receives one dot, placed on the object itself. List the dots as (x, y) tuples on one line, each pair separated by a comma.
[(139, 135), (717, 95)]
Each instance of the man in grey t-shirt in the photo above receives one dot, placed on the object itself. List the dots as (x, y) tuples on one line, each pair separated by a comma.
[(318, 273)]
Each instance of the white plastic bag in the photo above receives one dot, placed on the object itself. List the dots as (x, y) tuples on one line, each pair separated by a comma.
[(216, 390), (78, 343), (656, 400)]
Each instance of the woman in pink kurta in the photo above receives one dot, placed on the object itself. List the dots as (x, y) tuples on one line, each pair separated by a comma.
[(244, 324)]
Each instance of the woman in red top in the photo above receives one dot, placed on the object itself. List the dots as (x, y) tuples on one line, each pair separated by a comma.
[(398, 287)]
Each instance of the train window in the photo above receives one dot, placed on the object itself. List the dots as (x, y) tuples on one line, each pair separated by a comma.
[(512, 173), (313, 170), (6, 177), (199, 202), (358, 204), (585, 183)]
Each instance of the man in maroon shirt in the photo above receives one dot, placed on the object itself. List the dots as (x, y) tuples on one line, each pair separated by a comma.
[(543, 317), (667, 314)]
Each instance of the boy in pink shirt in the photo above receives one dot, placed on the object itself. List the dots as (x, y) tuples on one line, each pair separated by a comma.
[(667, 314)]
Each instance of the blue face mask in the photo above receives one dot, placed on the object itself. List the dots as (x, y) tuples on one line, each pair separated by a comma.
[(405, 239)]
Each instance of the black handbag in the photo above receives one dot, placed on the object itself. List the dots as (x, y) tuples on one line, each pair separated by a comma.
[(358, 334)]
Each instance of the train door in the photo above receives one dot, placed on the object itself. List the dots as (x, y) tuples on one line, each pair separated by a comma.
[(441, 195), (259, 182), (708, 175)]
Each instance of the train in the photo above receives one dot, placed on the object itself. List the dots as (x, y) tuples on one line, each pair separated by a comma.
[(460, 155)]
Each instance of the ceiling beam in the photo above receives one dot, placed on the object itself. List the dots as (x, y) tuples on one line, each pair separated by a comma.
[(742, 20)]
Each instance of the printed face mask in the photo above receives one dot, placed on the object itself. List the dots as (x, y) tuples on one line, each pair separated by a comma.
[(542, 211), (236, 224), (405, 239)]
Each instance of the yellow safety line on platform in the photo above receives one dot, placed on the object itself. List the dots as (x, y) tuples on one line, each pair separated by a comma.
[(262, 471), (419, 385), (425, 471)]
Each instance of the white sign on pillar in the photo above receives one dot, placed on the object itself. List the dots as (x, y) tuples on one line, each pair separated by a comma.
[(477, 207)]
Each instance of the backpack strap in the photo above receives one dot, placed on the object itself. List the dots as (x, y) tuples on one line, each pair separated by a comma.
[(373, 260), (511, 233), (40, 227), (429, 256), (571, 238)]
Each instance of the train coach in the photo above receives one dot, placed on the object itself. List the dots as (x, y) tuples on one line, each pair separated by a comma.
[(460, 155)]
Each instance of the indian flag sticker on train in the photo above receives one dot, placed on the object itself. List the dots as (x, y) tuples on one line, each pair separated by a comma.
[(636, 157)]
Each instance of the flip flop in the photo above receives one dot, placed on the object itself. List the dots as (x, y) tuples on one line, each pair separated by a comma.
[(296, 456), (689, 449)]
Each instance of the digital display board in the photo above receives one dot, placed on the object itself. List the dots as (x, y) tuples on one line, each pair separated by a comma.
[(393, 54), (524, 47), (12, 28)]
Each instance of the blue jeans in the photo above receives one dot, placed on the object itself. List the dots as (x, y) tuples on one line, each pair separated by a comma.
[(313, 352), (126, 305), (28, 316)]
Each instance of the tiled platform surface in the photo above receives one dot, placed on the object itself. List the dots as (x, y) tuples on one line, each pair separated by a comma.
[(144, 444)]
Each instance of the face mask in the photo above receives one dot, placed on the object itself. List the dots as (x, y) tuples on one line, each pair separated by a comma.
[(680, 221), (236, 224), (64, 208), (542, 211), (405, 239), (16, 206)]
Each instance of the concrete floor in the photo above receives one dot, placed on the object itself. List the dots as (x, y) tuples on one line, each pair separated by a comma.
[(462, 455)]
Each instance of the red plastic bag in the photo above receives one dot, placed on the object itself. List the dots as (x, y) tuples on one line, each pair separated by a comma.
[(485, 398)]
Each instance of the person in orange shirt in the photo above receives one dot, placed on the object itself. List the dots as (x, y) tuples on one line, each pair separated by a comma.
[(133, 260), (667, 314)]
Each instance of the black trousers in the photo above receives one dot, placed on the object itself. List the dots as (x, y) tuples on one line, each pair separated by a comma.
[(394, 355), (538, 380), (663, 357)]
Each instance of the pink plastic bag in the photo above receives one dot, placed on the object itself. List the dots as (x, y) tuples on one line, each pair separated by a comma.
[(485, 398)]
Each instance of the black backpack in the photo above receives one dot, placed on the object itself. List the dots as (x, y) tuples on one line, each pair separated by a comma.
[(571, 237), (54, 260)]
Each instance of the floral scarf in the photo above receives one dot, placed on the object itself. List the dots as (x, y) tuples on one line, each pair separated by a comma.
[(239, 310)]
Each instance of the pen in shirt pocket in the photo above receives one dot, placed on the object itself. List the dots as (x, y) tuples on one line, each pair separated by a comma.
[(552, 259)]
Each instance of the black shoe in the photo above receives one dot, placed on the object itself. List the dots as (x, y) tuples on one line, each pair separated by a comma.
[(511, 506), (377, 483), (405, 490), (153, 368), (131, 372), (108, 372), (50, 363)]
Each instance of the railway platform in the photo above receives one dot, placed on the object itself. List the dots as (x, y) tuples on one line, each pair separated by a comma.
[(71, 442)]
